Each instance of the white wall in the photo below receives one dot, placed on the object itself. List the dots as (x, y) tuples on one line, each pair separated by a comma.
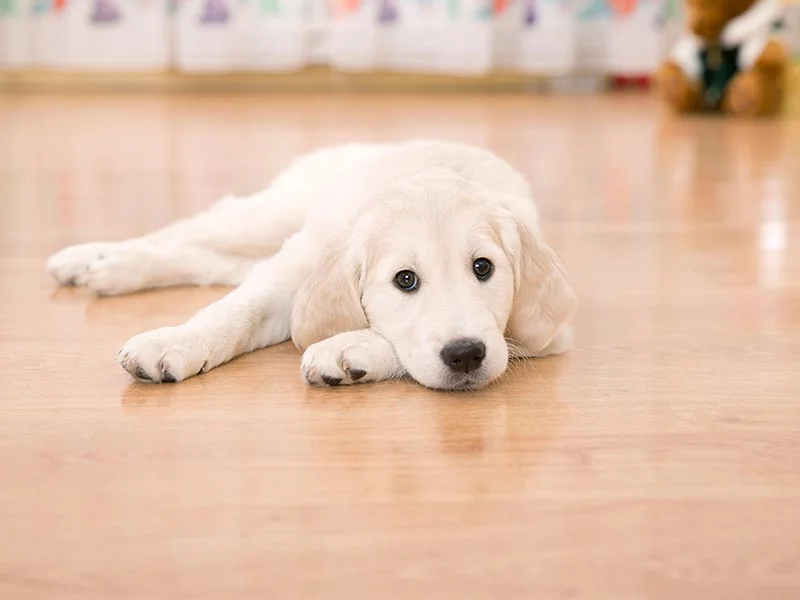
[(467, 37)]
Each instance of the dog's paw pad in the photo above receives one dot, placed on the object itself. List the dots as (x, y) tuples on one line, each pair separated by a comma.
[(356, 374), (140, 373)]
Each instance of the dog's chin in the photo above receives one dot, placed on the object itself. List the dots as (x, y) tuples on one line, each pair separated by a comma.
[(467, 386), (471, 382)]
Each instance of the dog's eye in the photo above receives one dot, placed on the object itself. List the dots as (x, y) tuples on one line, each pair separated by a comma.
[(406, 281), (483, 268)]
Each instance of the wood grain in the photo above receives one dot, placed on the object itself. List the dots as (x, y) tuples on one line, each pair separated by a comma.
[(659, 459)]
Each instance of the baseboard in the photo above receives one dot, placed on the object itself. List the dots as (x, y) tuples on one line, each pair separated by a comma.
[(319, 79), (793, 91)]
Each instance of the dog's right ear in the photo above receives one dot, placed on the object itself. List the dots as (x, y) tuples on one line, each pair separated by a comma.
[(329, 301)]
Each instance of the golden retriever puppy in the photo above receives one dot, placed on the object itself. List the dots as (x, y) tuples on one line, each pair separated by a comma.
[(421, 259)]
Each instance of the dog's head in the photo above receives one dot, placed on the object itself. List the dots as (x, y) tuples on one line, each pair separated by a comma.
[(707, 18), (445, 271)]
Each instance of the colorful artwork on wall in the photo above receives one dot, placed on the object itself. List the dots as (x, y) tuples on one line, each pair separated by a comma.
[(105, 11), (343, 7), (215, 12), (8, 8)]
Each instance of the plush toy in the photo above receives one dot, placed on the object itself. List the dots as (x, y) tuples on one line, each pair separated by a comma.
[(728, 59)]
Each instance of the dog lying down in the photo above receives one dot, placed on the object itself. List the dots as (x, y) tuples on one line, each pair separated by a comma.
[(421, 259)]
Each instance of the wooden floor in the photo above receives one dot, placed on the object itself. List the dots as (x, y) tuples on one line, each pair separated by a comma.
[(659, 459)]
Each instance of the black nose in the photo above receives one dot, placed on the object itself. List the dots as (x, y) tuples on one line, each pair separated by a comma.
[(464, 355)]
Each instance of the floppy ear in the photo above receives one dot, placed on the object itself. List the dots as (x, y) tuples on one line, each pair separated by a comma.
[(544, 301), (329, 301)]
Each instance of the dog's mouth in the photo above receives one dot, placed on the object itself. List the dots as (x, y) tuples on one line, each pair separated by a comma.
[(470, 383), (468, 386)]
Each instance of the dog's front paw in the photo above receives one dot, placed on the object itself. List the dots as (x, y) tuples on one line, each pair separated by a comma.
[(348, 358), (164, 355), (331, 363), (70, 263)]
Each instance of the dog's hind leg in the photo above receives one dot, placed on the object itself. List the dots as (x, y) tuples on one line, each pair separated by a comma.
[(255, 226), (218, 246), (133, 268)]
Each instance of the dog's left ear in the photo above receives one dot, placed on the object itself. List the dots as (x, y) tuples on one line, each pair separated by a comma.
[(329, 301), (544, 301)]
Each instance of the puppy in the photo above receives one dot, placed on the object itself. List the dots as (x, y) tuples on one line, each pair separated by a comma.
[(421, 259)]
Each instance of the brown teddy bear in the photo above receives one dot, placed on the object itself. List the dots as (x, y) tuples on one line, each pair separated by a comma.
[(728, 59)]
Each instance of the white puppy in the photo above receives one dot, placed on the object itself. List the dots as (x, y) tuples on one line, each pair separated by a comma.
[(378, 261)]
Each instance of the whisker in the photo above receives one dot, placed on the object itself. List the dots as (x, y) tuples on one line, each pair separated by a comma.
[(515, 348)]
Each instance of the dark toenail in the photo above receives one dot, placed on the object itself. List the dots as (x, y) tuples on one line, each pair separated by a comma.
[(331, 380), (167, 378), (356, 374), (141, 374)]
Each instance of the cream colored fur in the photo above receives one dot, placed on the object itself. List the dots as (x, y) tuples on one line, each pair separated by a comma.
[(314, 257)]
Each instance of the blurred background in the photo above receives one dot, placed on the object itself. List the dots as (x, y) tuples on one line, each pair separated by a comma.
[(557, 44)]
